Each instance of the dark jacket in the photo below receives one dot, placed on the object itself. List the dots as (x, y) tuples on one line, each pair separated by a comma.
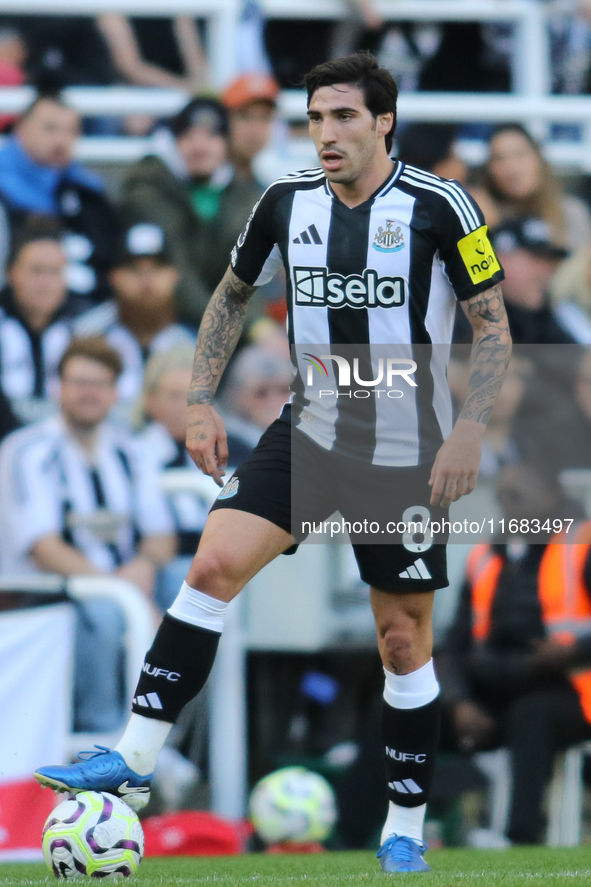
[(200, 248), (499, 668)]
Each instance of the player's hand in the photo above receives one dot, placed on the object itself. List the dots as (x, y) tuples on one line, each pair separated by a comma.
[(474, 727), (206, 441), (455, 470), (551, 659)]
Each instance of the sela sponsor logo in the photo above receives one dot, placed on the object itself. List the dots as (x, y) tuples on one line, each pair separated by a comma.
[(160, 672), (389, 240), (405, 756), (316, 287)]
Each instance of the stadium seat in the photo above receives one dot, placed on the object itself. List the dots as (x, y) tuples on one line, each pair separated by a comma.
[(565, 793)]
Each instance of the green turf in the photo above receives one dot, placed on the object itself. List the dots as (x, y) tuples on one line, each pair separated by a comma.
[(528, 865)]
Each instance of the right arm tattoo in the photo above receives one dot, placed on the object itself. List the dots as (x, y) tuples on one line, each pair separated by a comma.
[(219, 333)]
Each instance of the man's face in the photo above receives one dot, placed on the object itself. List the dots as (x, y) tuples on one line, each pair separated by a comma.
[(38, 279), (49, 134), (87, 392), (250, 129), (168, 403), (202, 150), (527, 277), (145, 282), (345, 133), (260, 400)]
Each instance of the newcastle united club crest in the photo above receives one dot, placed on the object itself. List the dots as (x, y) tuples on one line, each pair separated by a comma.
[(390, 240)]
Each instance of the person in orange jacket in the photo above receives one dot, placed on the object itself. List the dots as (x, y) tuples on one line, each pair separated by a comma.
[(515, 666)]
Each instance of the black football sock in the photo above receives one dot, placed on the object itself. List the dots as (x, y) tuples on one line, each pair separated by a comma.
[(175, 669), (411, 737)]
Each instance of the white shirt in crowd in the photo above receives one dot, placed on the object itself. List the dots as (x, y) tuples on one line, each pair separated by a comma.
[(104, 321), (48, 486), (189, 509), (24, 374)]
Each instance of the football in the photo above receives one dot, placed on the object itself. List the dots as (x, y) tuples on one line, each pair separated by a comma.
[(293, 805), (94, 834)]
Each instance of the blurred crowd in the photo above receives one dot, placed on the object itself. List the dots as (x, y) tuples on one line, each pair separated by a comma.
[(101, 300)]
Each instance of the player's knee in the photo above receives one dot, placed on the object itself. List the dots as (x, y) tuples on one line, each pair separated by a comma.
[(214, 572), (399, 646)]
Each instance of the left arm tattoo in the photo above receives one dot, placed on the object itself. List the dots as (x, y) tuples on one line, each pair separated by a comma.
[(491, 350)]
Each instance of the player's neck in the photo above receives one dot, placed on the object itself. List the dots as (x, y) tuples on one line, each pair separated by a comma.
[(357, 192)]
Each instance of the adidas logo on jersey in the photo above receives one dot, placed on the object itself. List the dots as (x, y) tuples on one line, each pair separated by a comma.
[(418, 570), (309, 236), (315, 286)]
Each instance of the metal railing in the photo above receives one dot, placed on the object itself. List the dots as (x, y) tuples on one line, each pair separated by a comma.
[(530, 66)]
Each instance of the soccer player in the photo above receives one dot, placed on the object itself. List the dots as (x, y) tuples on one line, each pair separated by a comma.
[(369, 247)]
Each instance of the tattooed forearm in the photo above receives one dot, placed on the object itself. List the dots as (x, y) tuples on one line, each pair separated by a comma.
[(219, 333), (491, 350)]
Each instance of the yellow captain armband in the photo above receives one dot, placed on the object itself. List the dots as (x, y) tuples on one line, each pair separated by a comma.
[(478, 255)]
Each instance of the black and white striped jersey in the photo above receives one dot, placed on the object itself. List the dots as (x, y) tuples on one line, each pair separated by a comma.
[(49, 487), (364, 280)]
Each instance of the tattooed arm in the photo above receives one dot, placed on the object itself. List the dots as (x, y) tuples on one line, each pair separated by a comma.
[(456, 466), (219, 333)]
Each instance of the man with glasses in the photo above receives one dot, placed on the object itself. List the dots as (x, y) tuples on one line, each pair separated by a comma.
[(79, 498)]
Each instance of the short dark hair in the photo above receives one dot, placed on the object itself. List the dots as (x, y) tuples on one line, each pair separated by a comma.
[(362, 70), (45, 95), (426, 144), (93, 348), (36, 228)]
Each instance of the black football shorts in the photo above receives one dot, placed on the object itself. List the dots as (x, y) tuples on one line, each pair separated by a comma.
[(297, 485)]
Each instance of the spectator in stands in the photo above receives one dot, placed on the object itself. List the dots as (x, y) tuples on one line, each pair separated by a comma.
[(166, 382), (164, 406), (189, 191), (552, 428), (36, 317), (432, 146), (140, 320), (257, 389), (509, 674), (63, 50), (518, 181), (13, 54), (572, 282), (39, 176), (530, 254), (78, 496), (155, 51), (251, 104)]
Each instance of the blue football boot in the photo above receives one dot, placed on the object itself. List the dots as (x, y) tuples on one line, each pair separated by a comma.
[(102, 771), (401, 854)]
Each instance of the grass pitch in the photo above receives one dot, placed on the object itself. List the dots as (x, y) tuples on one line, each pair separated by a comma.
[(542, 866)]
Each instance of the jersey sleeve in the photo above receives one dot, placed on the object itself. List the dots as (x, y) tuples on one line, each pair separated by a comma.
[(464, 246), (256, 257)]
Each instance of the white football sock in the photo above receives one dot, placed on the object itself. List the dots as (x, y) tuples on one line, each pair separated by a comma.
[(406, 821), (412, 690), (141, 743), (199, 609)]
